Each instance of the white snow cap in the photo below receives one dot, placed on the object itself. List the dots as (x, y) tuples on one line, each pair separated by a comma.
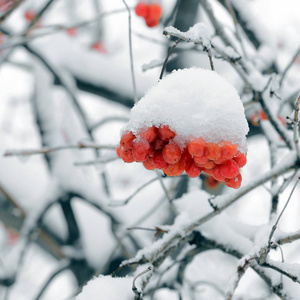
[(107, 288), (194, 103)]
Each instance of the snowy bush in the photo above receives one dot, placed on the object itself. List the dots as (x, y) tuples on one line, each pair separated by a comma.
[(150, 149)]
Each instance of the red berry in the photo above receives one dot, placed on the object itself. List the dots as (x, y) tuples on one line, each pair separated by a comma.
[(142, 10), (212, 151), (192, 169), (263, 115), (126, 155), (71, 31), (29, 14), (148, 164), (234, 182), (200, 160), (158, 144), (151, 22), (175, 169), (240, 158), (140, 149), (254, 119), (149, 134), (209, 165), (155, 11), (186, 156), (208, 171), (127, 139), (217, 174), (220, 161), (119, 150), (196, 147), (98, 46), (171, 153), (229, 169), (281, 119), (211, 182), (158, 160), (150, 151), (165, 133), (228, 150)]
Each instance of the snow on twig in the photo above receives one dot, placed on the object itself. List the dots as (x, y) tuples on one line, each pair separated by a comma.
[(158, 251), (197, 34)]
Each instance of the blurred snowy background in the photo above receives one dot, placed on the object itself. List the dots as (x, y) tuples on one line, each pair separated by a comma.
[(66, 79)]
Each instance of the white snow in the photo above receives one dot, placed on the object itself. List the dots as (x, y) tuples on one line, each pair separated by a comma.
[(198, 34), (194, 103), (107, 288)]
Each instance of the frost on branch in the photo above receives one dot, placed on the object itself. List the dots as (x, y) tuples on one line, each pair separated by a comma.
[(192, 121), (197, 34)]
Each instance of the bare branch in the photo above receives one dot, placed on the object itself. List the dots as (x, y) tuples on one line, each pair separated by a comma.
[(138, 294), (131, 55), (46, 150), (167, 58), (289, 66), (124, 202), (282, 211)]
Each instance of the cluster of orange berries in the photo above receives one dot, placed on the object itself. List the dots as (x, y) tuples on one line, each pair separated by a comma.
[(261, 116), (150, 12), (156, 149)]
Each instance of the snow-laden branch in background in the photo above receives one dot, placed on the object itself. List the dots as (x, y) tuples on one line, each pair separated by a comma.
[(183, 227), (46, 150)]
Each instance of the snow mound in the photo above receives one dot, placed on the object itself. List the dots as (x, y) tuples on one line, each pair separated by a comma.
[(194, 103), (110, 288)]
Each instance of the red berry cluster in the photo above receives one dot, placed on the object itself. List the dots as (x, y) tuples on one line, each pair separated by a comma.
[(156, 149), (261, 116), (150, 12)]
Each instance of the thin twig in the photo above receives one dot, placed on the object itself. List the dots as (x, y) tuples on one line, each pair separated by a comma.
[(282, 211), (241, 270), (289, 66), (124, 202), (109, 119), (289, 239), (218, 27), (137, 293), (166, 60), (46, 150), (103, 160), (53, 29), (210, 60), (295, 278), (165, 189), (131, 55), (57, 272), (13, 202), (141, 228), (37, 17), (296, 125), (236, 25)]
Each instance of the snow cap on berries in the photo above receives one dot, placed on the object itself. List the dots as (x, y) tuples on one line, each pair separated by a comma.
[(193, 103)]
